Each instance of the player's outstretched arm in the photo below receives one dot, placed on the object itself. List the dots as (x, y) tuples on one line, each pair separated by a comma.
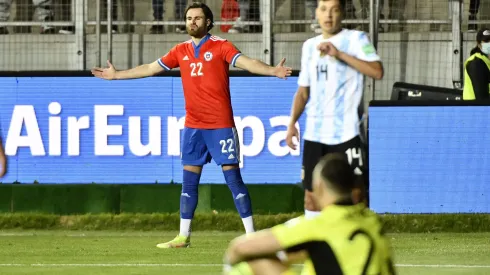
[(110, 73), (258, 67)]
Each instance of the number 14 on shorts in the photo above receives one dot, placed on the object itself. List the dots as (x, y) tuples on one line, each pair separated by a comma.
[(354, 153)]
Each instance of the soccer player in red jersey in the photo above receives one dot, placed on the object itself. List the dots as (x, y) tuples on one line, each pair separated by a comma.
[(209, 131)]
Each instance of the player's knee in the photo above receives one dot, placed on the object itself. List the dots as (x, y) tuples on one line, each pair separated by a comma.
[(233, 178), (227, 167), (309, 202), (190, 181), (267, 266), (193, 168)]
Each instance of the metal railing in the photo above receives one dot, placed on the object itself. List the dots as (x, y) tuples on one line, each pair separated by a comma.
[(80, 21)]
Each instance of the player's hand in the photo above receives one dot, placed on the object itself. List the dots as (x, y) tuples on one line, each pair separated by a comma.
[(105, 73), (292, 132), (3, 165), (282, 72), (327, 48)]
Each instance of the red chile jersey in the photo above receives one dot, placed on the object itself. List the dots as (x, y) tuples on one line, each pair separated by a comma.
[(204, 70)]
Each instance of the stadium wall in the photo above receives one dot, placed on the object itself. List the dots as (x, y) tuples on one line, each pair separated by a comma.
[(142, 198)]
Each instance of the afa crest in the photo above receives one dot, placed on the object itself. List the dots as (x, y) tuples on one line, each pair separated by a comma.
[(208, 56)]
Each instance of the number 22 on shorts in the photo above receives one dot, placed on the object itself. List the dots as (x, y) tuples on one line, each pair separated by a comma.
[(227, 143)]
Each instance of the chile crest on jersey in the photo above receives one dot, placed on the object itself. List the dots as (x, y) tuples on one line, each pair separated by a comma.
[(208, 56)]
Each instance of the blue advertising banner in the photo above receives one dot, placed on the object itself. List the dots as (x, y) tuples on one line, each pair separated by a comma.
[(84, 130), (429, 159), (422, 159)]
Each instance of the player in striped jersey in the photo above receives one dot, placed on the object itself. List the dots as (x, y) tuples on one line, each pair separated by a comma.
[(333, 66)]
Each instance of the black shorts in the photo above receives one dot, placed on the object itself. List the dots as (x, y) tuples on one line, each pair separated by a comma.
[(314, 151)]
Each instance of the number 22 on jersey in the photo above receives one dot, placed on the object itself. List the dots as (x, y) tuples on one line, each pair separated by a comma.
[(196, 69)]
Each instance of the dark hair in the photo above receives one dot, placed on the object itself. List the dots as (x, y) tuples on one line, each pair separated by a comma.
[(338, 174), (205, 9), (341, 2)]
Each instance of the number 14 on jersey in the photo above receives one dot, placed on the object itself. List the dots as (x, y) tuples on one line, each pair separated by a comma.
[(322, 71)]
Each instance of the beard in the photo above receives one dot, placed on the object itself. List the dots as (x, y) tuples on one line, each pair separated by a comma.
[(198, 32)]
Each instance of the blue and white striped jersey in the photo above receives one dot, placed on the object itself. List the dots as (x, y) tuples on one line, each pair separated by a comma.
[(336, 89)]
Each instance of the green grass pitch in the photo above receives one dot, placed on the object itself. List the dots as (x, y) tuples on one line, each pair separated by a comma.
[(133, 252)]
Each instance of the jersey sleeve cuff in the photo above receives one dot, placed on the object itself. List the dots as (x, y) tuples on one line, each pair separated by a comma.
[(163, 65), (370, 58), (233, 60), (279, 233), (303, 83)]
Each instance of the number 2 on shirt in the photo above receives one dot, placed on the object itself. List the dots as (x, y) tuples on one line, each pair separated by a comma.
[(196, 69), (389, 261)]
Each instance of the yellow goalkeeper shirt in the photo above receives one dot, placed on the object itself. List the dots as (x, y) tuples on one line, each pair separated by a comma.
[(343, 239)]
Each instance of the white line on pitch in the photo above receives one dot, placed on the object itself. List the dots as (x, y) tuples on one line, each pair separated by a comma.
[(213, 265), (110, 265), (443, 265)]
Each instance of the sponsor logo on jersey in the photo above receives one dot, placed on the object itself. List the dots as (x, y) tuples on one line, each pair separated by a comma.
[(368, 49)]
